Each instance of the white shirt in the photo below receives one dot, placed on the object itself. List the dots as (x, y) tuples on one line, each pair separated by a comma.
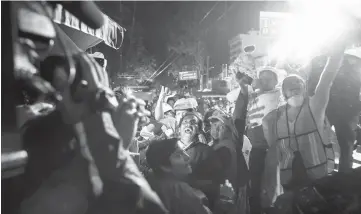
[(262, 105)]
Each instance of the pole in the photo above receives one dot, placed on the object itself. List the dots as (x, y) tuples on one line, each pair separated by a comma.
[(201, 73), (207, 73)]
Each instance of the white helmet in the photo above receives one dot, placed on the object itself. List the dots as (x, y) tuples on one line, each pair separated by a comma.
[(185, 103), (356, 52)]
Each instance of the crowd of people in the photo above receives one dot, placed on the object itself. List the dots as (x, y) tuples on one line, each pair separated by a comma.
[(274, 140), (95, 150), (268, 141)]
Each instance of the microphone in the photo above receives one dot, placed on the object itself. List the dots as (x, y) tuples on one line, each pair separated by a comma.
[(85, 11)]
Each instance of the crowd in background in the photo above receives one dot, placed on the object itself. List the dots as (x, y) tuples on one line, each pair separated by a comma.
[(239, 155)]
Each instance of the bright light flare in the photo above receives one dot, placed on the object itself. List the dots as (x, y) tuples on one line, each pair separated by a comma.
[(313, 27)]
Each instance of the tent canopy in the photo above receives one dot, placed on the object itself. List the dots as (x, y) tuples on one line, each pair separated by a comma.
[(85, 37)]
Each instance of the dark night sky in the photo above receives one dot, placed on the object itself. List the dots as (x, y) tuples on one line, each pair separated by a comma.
[(239, 18)]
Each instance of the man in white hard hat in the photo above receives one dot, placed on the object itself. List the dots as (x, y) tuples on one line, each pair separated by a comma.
[(266, 99)]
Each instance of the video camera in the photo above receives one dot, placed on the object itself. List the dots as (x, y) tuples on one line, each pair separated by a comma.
[(28, 39)]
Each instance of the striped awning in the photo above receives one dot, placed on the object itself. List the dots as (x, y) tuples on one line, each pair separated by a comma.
[(111, 32)]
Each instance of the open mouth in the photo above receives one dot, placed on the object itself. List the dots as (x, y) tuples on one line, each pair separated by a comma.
[(188, 130)]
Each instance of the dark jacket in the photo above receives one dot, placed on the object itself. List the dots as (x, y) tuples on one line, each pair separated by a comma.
[(206, 167), (177, 196)]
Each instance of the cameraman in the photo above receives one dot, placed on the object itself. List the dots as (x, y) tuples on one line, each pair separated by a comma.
[(265, 99)]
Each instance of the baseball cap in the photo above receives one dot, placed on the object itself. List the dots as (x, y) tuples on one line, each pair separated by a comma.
[(185, 103), (219, 115), (225, 119)]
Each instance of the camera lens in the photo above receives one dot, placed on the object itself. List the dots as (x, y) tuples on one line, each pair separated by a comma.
[(100, 61)]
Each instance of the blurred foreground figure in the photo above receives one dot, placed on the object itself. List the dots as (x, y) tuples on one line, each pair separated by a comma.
[(77, 163), (170, 164)]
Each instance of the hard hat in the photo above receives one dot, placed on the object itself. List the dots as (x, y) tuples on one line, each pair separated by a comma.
[(356, 52)]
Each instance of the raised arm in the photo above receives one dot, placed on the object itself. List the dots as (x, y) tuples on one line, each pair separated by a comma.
[(158, 111), (240, 110), (322, 92)]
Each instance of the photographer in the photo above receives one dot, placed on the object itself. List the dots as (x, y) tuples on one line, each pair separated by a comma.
[(79, 159), (265, 100)]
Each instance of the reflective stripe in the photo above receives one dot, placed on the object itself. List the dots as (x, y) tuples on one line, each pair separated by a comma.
[(288, 154), (314, 149)]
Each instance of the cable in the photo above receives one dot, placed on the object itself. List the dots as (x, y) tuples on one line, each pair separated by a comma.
[(169, 57), (220, 17), (225, 12), (167, 66), (207, 14), (157, 71), (160, 71)]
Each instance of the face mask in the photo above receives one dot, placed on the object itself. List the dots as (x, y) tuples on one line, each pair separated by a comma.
[(295, 101)]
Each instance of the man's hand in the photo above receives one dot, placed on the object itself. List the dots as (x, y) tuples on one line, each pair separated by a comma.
[(84, 96), (164, 91), (242, 83), (126, 119)]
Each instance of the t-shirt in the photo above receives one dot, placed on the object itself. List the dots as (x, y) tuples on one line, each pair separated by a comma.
[(261, 106)]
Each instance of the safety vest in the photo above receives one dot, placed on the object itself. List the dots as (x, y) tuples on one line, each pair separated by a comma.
[(303, 136), (261, 105)]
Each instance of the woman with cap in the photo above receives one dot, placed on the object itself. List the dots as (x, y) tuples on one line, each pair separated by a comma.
[(233, 167), (299, 151)]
